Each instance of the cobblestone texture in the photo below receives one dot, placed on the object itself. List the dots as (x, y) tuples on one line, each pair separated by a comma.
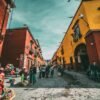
[(55, 89)]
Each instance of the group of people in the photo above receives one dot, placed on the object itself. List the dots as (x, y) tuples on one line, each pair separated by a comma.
[(10, 70), (46, 71), (43, 72)]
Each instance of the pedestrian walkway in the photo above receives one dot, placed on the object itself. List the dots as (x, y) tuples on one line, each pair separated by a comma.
[(82, 79)]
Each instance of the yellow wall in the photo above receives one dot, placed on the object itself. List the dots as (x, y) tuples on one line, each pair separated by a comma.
[(92, 16)]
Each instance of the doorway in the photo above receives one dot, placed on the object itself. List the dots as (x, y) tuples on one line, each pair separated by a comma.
[(81, 57)]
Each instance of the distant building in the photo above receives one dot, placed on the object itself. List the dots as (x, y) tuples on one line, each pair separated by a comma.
[(5, 6), (21, 49), (81, 43), (47, 61)]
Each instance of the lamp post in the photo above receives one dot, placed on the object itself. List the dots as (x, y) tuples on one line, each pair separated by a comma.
[(81, 16)]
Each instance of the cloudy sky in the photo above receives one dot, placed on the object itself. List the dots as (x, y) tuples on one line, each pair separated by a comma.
[(47, 19)]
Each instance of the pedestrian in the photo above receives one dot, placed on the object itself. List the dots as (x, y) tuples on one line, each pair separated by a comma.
[(59, 70), (30, 75), (43, 71), (11, 81), (34, 71), (12, 72), (62, 70), (47, 71), (40, 72), (52, 71), (22, 76)]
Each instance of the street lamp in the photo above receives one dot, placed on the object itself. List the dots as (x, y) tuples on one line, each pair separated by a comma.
[(81, 16)]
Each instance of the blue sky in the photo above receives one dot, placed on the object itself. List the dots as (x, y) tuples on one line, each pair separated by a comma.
[(47, 19)]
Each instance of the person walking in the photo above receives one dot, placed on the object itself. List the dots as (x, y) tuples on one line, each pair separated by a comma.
[(40, 72), (34, 71), (22, 75), (52, 71), (47, 71), (30, 75), (43, 69)]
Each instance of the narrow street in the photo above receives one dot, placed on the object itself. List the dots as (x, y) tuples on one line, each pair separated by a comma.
[(56, 37), (56, 88)]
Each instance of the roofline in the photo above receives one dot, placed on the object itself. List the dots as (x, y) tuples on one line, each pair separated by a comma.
[(27, 28)]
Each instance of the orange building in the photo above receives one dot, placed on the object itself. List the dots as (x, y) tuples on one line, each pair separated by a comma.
[(21, 49), (5, 6), (73, 48)]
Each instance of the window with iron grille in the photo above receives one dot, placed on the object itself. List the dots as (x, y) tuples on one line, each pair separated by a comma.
[(62, 50), (77, 34)]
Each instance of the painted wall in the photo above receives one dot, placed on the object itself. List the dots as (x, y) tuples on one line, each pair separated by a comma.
[(13, 47), (17, 46), (4, 17), (90, 20)]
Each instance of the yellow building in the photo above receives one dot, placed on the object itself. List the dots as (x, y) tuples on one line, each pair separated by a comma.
[(73, 45)]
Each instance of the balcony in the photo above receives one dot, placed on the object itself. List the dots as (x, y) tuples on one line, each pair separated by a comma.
[(31, 52)]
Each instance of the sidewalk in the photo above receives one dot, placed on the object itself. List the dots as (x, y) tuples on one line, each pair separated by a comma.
[(82, 79)]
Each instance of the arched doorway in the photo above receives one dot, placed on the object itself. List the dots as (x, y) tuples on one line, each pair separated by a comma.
[(81, 57)]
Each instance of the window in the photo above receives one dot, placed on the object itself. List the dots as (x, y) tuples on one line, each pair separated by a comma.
[(77, 35), (62, 50)]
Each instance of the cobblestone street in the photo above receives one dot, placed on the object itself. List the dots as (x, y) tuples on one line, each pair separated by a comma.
[(56, 88)]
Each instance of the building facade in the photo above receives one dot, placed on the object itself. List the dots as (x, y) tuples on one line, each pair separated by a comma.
[(21, 49), (73, 48), (93, 46), (5, 7)]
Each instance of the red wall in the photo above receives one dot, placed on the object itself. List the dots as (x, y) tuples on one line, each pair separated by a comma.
[(29, 58), (14, 45), (93, 49), (2, 14), (97, 41), (17, 42)]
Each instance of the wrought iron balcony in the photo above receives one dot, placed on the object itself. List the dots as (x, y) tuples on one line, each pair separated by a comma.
[(31, 52)]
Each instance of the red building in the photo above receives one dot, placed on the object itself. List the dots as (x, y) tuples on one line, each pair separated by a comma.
[(5, 6), (93, 46), (21, 49)]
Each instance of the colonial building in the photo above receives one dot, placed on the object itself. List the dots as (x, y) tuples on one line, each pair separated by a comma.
[(5, 7), (74, 50), (21, 49)]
